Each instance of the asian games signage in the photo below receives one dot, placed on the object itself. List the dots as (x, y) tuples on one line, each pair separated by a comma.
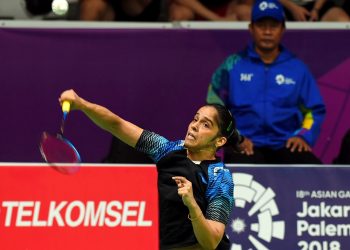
[(303, 208)]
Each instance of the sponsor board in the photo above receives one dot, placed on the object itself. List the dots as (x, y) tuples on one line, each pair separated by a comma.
[(292, 208), (98, 208), (116, 207)]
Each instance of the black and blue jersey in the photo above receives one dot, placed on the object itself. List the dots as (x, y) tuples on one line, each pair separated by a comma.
[(211, 183)]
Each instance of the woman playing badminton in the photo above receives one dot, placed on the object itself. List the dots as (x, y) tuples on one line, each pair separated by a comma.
[(195, 189)]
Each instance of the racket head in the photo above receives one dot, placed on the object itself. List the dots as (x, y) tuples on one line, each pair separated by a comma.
[(55, 149)]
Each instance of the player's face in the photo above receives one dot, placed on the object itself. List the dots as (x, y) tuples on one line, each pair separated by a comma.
[(267, 34), (203, 130)]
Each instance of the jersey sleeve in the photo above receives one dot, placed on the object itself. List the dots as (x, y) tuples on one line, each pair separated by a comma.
[(219, 193), (156, 146)]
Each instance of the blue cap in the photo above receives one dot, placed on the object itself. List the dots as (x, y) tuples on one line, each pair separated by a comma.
[(268, 9)]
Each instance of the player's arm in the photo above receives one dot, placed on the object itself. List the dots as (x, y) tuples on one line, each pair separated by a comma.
[(104, 118), (208, 232)]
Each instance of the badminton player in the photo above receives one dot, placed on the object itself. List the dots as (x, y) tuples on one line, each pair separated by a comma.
[(195, 189)]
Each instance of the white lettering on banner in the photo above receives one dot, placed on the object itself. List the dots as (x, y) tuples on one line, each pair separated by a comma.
[(36, 221), (81, 208), (10, 205), (324, 194), (140, 221), (24, 211), (323, 210), (94, 216), (129, 212), (344, 194), (54, 213), (322, 229), (76, 213), (324, 219), (113, 213)]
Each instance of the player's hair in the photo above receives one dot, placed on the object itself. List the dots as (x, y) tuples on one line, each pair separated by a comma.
[(227, 125)]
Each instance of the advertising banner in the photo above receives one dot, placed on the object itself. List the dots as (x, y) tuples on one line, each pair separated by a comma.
[(115, 207), (97, 208), (290, 208)]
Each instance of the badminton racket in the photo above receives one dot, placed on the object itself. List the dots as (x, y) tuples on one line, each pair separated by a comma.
[(56, 149)]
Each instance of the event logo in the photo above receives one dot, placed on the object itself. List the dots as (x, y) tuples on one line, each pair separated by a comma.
[(252, 224), (265, 5), (281, 79)]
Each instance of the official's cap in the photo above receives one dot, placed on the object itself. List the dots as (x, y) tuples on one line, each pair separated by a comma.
[(268, 8)]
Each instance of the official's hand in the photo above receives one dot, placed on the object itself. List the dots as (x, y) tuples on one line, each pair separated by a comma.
[(246, 147), (185, 190), (297, 143)]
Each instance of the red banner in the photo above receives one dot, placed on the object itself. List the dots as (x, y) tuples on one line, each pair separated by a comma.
[(100, 207)]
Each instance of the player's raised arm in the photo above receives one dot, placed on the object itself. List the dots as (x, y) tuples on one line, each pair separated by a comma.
[(104, 118)]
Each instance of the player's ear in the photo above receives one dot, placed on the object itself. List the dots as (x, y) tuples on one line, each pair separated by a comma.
[(220, 141)]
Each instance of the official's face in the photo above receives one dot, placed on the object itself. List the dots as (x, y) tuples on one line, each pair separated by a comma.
[(203, 131), (267, 34)]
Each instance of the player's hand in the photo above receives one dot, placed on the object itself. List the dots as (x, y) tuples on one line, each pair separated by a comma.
[(246, 147), (72, 97), (297, 143), (184, 189)]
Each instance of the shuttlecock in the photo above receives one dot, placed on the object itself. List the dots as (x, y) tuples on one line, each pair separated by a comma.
[(60, 7)]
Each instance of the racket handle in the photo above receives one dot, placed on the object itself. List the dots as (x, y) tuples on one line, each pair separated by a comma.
[(65, 109), (65, 106)]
